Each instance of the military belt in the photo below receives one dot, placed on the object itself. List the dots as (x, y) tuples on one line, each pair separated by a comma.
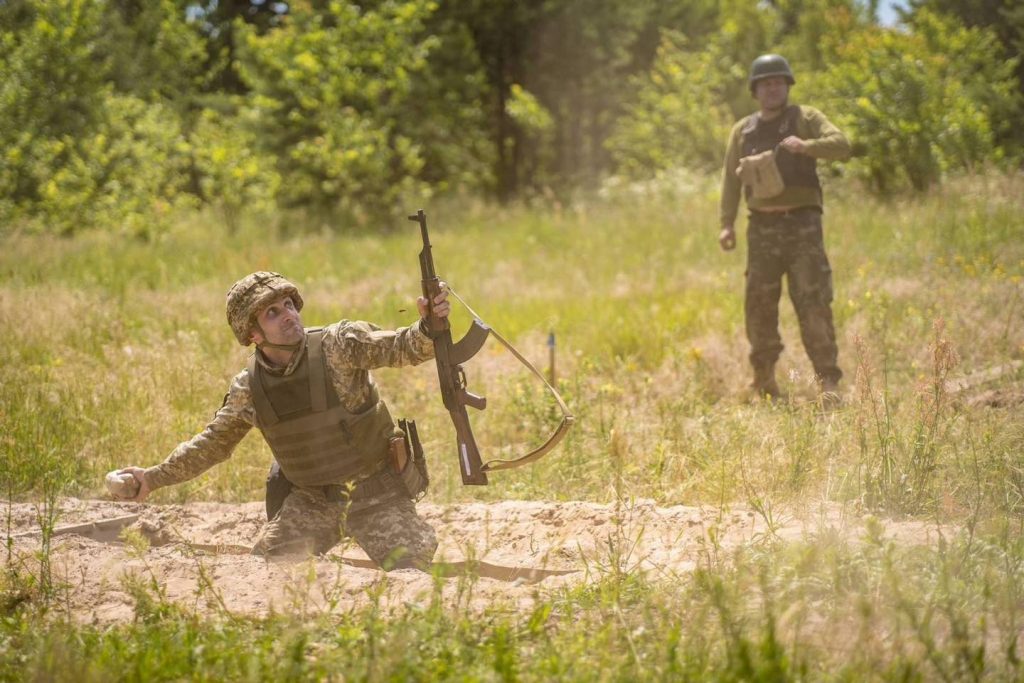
[(763, 216), (378, 483)]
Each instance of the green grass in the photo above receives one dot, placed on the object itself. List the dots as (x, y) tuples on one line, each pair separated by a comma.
[(823, 609), (113, 351)]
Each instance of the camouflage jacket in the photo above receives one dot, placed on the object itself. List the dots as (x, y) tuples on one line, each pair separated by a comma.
[(351, 349)]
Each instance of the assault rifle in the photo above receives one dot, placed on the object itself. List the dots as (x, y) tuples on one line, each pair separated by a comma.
[(451, 355)]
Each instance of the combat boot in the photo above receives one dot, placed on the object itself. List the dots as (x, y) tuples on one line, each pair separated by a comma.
[(829, 395), (764, 383)]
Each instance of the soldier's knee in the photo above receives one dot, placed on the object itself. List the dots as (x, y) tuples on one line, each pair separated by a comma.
[(416, 553), (422, 562), (813, 302), (758, 283), (407, 562), (269, 547)]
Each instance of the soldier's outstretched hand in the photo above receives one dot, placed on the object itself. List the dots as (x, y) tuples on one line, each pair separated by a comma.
[(441, 306), (140, 476)]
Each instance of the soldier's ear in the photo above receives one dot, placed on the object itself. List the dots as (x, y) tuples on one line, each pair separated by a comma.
[(255, 337)]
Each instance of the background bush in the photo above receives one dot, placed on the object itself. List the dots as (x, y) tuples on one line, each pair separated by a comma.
[(117, 114)]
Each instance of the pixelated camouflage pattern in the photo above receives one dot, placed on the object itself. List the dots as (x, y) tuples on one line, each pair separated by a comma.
[(351, 348), (790, 245), (250, 295), (386, 527)]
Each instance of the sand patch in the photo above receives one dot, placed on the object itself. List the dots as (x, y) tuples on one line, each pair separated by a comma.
[(505, 555)]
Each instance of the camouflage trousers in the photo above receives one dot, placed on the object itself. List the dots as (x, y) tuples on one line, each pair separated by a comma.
[(386, 527), (790, 244)]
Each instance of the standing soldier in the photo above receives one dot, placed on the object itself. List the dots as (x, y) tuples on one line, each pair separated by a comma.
[(772, 154), (310, 393)]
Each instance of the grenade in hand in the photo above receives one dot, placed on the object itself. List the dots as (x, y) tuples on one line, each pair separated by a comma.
[(122, 485)]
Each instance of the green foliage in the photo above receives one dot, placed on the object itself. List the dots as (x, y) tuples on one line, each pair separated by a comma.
[(913, 108), (983, 66), (52, 87), (127, 173), (154, 52), (446, 111), (526, 112), (680, 116), (1002, 18), (686, 104), (811, 31), (233, 175), (917, 103), (329, 94), (116, 114), (78, 153)]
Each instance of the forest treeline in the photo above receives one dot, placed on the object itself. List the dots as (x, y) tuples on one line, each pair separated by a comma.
[(119, 113)]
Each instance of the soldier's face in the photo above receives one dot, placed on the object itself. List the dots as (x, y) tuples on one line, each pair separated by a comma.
[(772, 92), (281, 323)]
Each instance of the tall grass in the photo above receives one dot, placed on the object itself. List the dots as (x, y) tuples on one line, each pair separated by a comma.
[(115, 351)]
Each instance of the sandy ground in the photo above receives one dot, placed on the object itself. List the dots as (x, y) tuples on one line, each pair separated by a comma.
[(502, 555)]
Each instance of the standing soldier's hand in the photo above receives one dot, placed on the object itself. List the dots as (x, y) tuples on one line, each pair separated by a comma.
[(727, 238), (794, 144)]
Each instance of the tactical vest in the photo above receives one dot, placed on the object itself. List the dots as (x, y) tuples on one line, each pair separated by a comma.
[(314, 438), (797, 170)]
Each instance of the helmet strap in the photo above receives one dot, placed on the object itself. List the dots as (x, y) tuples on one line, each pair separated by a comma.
[(270, 345), (287, 347)]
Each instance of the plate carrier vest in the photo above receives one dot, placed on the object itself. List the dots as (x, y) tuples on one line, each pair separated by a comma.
[(797, 170), (314, 438)]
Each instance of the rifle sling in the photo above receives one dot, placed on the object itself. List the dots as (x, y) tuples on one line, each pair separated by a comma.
[(567, 417)]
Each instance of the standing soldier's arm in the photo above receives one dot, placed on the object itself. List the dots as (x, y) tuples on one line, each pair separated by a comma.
[(211, 446), (823, 139), (732, 190)]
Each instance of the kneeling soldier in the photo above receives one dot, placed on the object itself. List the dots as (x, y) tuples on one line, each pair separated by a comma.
[(310, 393)]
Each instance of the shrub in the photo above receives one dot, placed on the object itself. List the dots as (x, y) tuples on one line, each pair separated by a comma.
[(917, 104), (680, 117)]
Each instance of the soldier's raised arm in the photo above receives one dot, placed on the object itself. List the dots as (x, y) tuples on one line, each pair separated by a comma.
[(361, 345)]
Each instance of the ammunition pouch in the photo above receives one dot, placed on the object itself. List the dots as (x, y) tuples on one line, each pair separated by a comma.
[(760, 173), (278, 488), (408, 461)]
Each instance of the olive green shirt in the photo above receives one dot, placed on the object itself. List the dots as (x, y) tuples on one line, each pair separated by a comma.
[(351, 349), (823, 140)]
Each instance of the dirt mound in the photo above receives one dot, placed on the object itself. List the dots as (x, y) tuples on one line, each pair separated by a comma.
[(507, 554)]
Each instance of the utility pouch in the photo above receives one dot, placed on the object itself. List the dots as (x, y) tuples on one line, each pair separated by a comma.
[(761, 173), (278, 488), (407, 460)]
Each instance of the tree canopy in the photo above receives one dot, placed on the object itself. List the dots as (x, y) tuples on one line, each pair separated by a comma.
[(117, 113)]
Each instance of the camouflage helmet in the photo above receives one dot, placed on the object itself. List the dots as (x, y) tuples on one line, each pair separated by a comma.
[(767, 66), (252, 294)]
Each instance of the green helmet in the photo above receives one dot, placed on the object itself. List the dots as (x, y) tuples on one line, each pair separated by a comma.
[(252, 294), (767, 66)]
